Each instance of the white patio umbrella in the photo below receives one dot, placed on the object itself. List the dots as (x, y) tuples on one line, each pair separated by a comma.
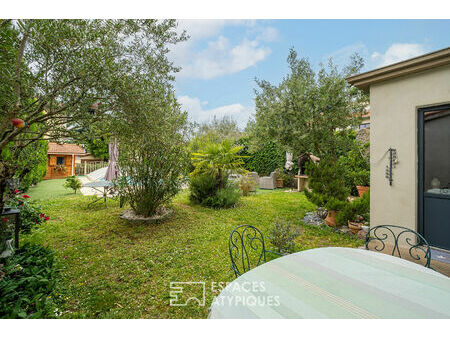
[(113, 170)]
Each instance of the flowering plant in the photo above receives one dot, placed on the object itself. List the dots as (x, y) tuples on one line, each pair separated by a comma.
[(30, 213)]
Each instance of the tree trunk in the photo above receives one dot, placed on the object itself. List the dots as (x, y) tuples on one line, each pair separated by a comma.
[(2, 192)]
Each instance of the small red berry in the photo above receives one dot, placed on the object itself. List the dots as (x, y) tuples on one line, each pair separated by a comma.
[(47, 218), (25, 196)]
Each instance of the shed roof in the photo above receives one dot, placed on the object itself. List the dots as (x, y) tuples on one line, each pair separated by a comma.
[(407, 67), (65, 148)]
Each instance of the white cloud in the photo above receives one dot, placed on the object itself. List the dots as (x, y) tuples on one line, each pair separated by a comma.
[(220, 58), (200, 29), (265, 33), (397, 52), (342, 56), (195, 108)]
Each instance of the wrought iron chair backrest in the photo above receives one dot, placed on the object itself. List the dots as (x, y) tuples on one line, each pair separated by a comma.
[(247, 248), (414, 243)]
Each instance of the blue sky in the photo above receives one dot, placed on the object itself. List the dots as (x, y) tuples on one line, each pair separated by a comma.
[(222, 57)]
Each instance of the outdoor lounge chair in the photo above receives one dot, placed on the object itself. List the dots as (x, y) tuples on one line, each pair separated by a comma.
[(401, 240), (268, 182), (247, 249)]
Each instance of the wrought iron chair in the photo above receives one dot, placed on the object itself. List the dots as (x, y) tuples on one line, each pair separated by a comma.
[(413, 243), (246, 246)]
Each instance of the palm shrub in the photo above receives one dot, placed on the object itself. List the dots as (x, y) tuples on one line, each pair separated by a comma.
[(209, 184), (72, 182), (219, 159)]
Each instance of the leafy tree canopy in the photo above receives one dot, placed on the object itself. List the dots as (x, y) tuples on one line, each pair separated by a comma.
[(60, 76), (306, 109), (215, 131)]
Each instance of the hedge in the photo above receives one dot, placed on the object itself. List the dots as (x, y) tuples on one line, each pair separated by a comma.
[(263, 161)]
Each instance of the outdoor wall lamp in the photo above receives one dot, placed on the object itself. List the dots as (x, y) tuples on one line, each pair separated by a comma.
[(392, 162)]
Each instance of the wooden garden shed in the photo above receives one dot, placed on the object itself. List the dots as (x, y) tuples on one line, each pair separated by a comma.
[(61, 159)]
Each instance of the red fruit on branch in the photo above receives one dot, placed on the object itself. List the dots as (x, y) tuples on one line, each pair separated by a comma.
[(46, 218), (18, 123), (25, 196)]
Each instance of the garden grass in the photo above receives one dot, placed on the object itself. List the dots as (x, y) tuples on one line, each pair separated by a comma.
[(49, 189), (110, 268)]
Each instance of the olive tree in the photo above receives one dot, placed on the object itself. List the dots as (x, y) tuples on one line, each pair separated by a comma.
[(306, 111), (59, 76), (152, 133)]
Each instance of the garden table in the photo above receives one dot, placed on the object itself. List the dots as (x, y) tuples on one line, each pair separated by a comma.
[(336, 283), (99, 184)]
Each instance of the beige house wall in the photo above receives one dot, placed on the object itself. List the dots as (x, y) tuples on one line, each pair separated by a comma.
[(393, 123)]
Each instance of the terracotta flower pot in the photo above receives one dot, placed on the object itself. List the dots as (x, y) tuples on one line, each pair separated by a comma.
[(279, 183), (362, 189), (354, 227), (331, 218)]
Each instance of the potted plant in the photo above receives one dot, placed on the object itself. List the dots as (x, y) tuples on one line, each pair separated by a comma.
[(279, 180), (326, 181), (356, 225), (355, 214), (333, 206), (362, 182), (61, 168)]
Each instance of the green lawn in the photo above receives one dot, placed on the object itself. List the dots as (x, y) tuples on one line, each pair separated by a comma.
[(113, 269), (49, 189)]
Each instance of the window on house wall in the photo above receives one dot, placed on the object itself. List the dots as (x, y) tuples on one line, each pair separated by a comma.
[(437, 152), (60, 160)]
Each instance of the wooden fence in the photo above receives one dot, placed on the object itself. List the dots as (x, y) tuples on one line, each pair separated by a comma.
[(86, 168)]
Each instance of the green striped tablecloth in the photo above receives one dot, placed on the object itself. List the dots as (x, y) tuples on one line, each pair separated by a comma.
[(336, 283)]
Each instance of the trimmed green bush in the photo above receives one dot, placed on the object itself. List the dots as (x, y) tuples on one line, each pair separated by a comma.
[(358, 207), (204, 191), (202, 186), (327, 182), (226, 197), (27, 286)]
